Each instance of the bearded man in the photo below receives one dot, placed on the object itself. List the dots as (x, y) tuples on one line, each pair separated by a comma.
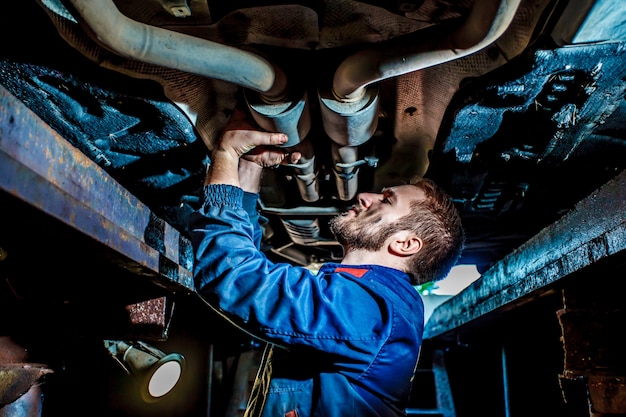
[(341, 342)]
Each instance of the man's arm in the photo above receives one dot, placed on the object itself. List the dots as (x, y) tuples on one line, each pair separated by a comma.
[(241, 143), (275, 301), (224, 167), (249, 176), (250, 180)]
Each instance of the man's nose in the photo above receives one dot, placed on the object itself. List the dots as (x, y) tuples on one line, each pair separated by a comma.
[(365, 199)]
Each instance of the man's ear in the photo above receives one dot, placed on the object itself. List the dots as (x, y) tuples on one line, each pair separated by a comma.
[(405, 243)]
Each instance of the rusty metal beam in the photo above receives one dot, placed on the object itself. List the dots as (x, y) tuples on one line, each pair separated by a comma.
[(594, 230), (44, 170), (592, 321)]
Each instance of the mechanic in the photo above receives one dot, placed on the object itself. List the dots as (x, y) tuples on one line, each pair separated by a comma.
[(343, 341)]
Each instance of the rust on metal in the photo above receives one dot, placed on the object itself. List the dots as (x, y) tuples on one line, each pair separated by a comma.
[(150, 319), (16, 379), (594, 348)]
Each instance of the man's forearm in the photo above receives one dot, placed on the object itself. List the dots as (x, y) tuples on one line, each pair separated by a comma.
[(250, 176), (224, 169)]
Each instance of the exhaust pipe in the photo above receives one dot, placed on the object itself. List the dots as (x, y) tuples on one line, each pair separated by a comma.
[(486, 22), (349, 106), (267, 98), (170, 49)]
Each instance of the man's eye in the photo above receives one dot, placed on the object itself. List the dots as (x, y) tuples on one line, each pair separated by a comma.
[(385, 201)]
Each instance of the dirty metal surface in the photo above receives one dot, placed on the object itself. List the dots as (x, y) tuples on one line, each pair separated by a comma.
[(150, 319), (17, 378), (592, 322), (44, 170), (594, 230)]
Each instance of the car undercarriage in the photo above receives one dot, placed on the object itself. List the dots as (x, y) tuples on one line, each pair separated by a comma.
[(515, 107)]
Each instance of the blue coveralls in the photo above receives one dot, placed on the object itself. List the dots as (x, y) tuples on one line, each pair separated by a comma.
[(347, 338)]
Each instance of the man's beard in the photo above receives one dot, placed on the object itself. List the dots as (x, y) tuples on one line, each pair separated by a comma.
[(354, 234)]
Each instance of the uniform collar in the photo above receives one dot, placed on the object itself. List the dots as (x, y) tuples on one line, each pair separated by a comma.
[(360, 270)]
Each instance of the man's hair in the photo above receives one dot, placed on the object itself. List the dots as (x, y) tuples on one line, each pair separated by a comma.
[(436, 221)]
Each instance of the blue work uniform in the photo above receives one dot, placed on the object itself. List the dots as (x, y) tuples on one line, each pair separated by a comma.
[(346, 339)]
